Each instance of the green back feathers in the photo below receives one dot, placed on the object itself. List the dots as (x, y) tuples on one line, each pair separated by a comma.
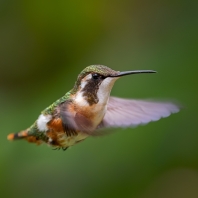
[(50, 109)]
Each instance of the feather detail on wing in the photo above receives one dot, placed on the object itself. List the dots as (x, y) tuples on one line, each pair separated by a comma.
[(126, 112), (74, 121)]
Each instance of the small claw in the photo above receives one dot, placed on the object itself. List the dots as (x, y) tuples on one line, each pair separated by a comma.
[(64, 149), (57, 148)]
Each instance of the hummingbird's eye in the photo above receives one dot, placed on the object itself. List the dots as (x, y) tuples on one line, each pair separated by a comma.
[(95, 76)]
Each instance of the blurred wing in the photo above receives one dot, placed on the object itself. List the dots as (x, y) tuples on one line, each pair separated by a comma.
[(73, 121), (126, 113)]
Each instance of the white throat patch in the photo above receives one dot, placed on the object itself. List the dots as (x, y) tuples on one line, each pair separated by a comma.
[(105, 89)]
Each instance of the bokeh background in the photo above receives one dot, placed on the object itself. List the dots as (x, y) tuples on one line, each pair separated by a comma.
[(45, 44)]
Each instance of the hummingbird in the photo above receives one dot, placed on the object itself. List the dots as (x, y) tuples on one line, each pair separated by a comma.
[(88, 109)]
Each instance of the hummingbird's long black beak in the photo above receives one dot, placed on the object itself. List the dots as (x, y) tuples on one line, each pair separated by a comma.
[(119, 74)]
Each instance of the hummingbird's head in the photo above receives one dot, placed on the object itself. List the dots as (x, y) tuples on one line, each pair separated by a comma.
[(95, 82)]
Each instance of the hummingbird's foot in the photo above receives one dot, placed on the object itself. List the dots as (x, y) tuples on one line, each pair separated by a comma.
[(57, 148), (64, 149)]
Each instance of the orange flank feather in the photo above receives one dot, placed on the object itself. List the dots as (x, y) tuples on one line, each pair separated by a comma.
[(57, 138), (33, 139), (56, 125)]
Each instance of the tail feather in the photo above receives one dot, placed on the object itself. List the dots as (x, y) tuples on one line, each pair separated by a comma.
[(17, 136), (24, 135)]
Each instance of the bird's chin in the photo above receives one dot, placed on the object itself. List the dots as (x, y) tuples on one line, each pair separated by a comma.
[(105, 89), (108, 83)]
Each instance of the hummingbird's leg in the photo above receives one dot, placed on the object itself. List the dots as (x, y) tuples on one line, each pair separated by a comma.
[(64, 149), (57, 148)]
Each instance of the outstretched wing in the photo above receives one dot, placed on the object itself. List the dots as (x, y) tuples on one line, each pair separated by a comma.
[(126, 112)]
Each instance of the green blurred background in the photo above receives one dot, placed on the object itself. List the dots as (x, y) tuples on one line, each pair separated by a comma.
[(45, 44)]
